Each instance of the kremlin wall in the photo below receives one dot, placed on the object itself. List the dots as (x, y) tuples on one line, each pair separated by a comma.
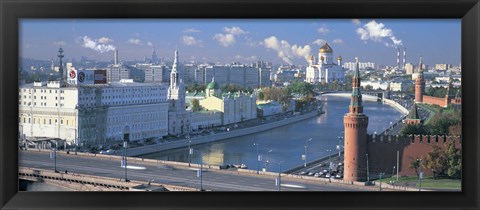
[(367, 155), (382, 152)]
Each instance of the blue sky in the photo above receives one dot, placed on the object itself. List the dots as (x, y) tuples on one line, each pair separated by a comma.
[(219, 40)]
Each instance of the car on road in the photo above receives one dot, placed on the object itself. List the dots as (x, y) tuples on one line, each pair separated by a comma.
[(317, 175), (302, 173), (311, 173), (327, 175), (339, 176)]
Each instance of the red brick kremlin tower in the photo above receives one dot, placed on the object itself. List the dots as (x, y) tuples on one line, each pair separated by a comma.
[(356, 123), (419, 84)]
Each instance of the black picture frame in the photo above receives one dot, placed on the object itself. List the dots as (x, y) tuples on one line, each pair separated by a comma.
[(11, 11)]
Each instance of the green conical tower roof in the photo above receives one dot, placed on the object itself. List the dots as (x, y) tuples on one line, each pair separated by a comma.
[(213, 84), (413, 115)]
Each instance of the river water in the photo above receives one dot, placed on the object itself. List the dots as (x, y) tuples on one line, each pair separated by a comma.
[(286, 144)]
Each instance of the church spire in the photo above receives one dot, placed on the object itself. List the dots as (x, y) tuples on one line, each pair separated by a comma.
[(174, 76), (356, 98)]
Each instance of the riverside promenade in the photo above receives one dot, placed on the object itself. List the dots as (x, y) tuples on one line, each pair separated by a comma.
[(136, 151)]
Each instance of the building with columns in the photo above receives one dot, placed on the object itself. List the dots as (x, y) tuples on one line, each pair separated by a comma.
[(355, 125), (179, 119), (93, 114), (324, 69)]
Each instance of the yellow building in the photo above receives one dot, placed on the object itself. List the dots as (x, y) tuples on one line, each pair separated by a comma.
[(236, 107)]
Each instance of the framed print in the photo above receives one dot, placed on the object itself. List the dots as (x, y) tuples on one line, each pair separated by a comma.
[(228, 105)]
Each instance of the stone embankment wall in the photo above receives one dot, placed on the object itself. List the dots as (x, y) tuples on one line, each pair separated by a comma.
[(216, 137)]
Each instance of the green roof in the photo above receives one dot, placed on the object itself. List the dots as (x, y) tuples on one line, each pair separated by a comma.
[(212, 85), (413, 114)]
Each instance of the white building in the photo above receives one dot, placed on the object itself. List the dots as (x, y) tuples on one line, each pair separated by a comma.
[(375, 85), (270, 108), (324, 70), (206, 119), (361, 65), (238, 74), (95, 113), (401, 85)]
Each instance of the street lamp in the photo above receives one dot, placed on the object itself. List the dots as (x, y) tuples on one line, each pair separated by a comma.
[(381, 174), (305, 154), (339, 145), (420, 177), (393, 171), (266, 160), (330, 166), (190, 151), (53, 155), (258, 157), (124, 161), (368, 175), (200, 173), (279, 180)]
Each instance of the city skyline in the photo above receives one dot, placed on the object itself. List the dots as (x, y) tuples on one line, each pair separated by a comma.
[(226, 41)]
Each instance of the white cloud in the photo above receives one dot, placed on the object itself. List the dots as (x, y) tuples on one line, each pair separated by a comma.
[(337, 41), (320, 42), (235, 30), (229, 38), (225, 39), (135, 41), (252, 43), (191, 30), (377, 32), (104, 40), (285, 51), (150, 44), (60, 43), (323, 30), (95, 45), (356, 22), (191, 41)]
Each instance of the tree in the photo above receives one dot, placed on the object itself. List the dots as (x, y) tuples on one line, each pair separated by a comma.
[(436, 161), (453, 160), (196, 105), (415, 164), (261, 96), (417, 129)]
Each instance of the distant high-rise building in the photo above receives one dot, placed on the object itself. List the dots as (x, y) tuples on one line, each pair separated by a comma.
[(442, 66), (63, 76), (238, 74), (409, 68), (362, 65), (115, 57), (154, 57)]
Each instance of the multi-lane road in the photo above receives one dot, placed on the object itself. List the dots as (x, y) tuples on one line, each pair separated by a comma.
[(216, 180)]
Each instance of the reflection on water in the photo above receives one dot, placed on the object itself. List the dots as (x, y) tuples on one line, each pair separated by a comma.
[(288, 142)]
